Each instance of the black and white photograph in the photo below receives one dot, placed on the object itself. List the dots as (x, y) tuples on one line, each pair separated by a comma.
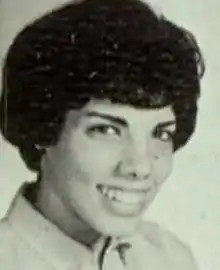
[(109, 135)]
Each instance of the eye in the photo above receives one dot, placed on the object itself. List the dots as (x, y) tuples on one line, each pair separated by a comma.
[(163, 134), (103, 129)]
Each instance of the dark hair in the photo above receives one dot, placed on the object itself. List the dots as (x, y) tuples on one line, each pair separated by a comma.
[(118, 49)]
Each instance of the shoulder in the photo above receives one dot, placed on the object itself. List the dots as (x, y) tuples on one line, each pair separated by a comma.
[(177, 252), (6, 233), (15, 251), (8, 246)]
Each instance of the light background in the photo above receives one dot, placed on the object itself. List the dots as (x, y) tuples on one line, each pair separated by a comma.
[(189, 204)]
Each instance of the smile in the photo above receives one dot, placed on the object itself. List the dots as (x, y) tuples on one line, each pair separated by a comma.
[(122, 195)]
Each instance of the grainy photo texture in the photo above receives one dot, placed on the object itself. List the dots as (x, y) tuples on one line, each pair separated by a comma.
[(97, 96)]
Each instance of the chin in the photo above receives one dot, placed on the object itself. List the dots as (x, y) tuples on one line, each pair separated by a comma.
[(119, 227)]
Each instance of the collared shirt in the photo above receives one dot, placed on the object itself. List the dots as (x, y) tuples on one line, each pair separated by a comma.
[(28, 241)]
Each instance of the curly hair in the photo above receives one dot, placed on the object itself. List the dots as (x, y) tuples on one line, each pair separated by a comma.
[(118, 50)]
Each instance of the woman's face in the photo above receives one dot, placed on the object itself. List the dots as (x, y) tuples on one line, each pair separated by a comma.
[(110, 163)]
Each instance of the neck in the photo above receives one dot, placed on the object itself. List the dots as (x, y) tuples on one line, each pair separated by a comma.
[(56, 211)]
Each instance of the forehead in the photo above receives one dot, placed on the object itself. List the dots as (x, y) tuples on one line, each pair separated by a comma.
[(130, 114)]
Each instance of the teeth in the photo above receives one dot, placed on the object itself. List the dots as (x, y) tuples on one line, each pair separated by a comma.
[(111, 194), (105, 190), (130, 197), (123, 196)]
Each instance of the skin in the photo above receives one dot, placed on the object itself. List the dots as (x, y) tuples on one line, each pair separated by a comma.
[(111, 145)]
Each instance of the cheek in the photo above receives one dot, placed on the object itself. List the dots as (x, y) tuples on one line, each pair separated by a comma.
[(93, 159), (163, 162)]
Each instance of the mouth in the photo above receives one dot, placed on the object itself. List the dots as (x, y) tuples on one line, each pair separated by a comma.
[(123, 196)]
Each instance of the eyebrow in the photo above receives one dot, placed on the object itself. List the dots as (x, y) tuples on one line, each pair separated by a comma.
[(123, 122), (115, 119), (167, 124)]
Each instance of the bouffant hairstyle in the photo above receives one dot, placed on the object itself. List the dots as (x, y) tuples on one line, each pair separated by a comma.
[(119, 50)]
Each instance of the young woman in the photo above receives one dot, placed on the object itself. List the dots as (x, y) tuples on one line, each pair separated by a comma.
[(97, 96)]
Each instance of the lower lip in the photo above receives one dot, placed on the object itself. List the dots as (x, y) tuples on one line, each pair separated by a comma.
[(121, 208)]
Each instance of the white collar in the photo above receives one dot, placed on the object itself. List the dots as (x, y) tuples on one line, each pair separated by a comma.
[(57, 248)]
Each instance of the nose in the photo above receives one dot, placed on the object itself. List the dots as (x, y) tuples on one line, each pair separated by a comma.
[(136, 165)]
